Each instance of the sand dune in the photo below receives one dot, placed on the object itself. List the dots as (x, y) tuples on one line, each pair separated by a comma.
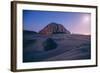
[(70, 47)]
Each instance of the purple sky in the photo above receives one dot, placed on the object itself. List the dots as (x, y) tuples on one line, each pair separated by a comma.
[(75, 22)]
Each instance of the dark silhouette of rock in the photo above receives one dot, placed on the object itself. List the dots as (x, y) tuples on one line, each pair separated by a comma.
[(54, 28), (29, 32), (49, 44)]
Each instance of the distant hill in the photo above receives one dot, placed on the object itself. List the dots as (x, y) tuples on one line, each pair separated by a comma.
[(29, 32), (54, 28), (28, 35)]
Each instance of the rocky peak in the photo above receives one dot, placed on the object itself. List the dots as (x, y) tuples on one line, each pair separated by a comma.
[(54, 28)]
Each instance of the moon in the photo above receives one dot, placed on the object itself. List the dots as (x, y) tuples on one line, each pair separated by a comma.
[(86, 18)]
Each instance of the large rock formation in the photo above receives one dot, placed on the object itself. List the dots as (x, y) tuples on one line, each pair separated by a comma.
[(54, 28)]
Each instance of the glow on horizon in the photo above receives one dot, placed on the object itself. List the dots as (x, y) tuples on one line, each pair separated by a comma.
[(75, 22)]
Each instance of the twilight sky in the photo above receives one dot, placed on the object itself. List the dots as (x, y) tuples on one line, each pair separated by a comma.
[(75, 22)]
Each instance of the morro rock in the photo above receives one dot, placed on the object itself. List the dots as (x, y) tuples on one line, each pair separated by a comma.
[(54, 28)]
